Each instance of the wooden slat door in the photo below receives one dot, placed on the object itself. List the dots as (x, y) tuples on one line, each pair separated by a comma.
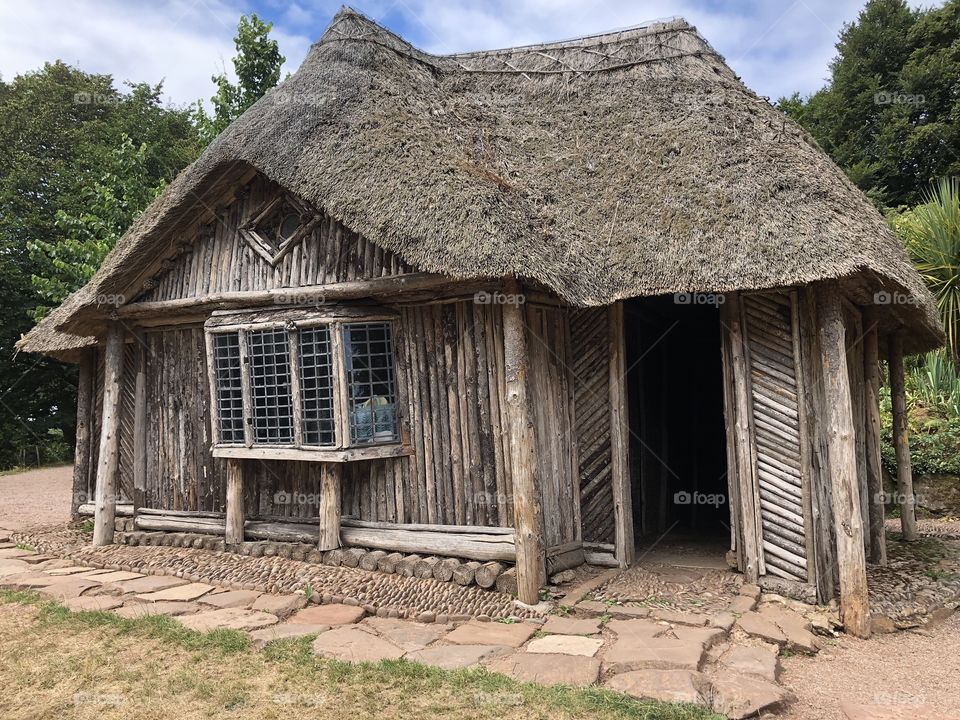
[(772, 356)]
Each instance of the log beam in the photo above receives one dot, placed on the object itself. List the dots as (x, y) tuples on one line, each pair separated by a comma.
[(330, 477), (527, 509), (901, 440), (620, 438), (83, 446), (233, 532), (847, 520), (875, 496), (109, 457)]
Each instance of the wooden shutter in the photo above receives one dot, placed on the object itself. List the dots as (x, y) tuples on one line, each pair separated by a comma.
[(771, 353)]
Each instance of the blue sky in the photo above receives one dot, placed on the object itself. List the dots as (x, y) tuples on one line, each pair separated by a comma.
[(777, 46)]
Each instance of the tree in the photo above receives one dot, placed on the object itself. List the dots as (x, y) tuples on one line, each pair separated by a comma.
[(257, 65), (889, 114), (931, 234), (63, 135)]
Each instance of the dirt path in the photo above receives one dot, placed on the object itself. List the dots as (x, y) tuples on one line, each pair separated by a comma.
[(904, 668), (35, 497)]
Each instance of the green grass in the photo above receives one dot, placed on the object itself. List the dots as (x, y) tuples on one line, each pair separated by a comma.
[(403, 688)]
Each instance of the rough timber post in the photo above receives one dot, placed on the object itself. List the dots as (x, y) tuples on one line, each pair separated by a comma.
[(527, 511), (871, 378), (105, 508), (330, 474), (233, 534), (81, 463), (901, 440), (847, 521)]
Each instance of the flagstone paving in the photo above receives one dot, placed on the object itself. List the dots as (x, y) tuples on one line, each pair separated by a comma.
[(726, 659)]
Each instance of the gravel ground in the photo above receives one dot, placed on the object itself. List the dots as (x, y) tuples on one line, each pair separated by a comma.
[(904, 668), (35, 497)]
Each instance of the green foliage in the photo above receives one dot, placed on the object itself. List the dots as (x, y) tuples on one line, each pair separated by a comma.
[(931, 234), (63, 134), (114, 201), (257, 65), (888, 116)]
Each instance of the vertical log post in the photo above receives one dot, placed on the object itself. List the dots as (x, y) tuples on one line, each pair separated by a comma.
[(83, 446), (620, 438), (140, 427), (847, 522), (871, 378), (745, 479), (527, 510), (330, 475), (105, 508), (901, 440), (233, 534)]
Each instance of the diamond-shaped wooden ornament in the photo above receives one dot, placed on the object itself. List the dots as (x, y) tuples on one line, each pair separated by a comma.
[(278, 226)]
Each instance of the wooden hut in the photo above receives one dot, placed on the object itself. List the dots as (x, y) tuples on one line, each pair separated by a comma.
[(531, 306)]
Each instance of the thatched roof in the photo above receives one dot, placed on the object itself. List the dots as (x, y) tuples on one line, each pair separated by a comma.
[(618, 165)]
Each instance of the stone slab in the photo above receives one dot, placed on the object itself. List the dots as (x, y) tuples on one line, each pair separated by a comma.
[(179, 593), (593, 607), (230, 618), (456, 657), (794, 626), (491, 633), (284, 631), (741, 696), (15, 553), (12, 567), (636, 628), (117, 576), (280, 605), (68, 587), (165, 607), (752, 659), (742, 604), (571, 626), (548, 669), (407, 634), (705, 636), (231, 599), (329, 615), (663, 685), (643, 652), (26, 580), (355, 645), (679, 618), (34, 559), (566, 645), (96, 603), (72, 570), (150, 583), (758, 626)]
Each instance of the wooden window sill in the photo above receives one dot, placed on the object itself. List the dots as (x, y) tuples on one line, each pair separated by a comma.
[(339, 455)]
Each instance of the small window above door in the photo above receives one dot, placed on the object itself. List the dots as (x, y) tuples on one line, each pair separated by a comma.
[(277, 226)]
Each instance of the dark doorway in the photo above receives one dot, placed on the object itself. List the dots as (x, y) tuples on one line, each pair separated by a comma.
[(677, 441)]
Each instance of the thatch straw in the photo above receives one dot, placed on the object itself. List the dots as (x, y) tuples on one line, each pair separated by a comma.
[(628, 164)]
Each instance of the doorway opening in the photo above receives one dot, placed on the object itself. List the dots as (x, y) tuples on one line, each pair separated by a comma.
[(678, 462)]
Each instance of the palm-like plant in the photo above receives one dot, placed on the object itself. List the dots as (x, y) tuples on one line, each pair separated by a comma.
[(931, 233)]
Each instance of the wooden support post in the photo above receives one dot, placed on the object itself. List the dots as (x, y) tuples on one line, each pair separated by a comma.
[(620, 438), (746, 481), (901, 440), (140, 427), (871, 377), (233, 532), (83, 446), (105, 509), (847, 522), (527, 511), (330, 475)]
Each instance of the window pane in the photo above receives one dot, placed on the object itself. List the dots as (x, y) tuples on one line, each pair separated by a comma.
[(369, 350), (316, 386), (226, 360), (269, 352)]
